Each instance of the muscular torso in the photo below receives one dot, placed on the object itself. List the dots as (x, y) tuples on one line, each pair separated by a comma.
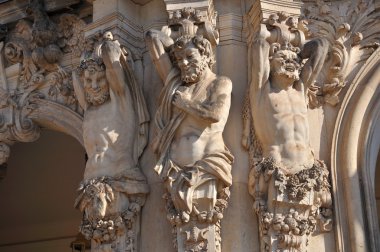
[(282, 127), (196, 137), (108, 132)]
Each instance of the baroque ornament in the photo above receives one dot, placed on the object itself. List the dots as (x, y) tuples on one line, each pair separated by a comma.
[(342, 24), (115, 133), (193, 160), (32, 51), (290, 186)]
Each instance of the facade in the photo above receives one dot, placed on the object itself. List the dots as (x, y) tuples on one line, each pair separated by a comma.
[(198, 125)]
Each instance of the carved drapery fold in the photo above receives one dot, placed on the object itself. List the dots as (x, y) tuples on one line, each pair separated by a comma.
[(197, 184)]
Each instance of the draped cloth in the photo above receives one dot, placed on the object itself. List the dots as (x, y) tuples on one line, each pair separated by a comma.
[(183, 181)]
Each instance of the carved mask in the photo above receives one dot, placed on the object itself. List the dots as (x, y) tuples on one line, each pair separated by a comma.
[(191, 63), (284, 63), (95, 86)]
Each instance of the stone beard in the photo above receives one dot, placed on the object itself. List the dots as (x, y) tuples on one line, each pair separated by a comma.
[(96, 87), (285, 63), (191, 57), (193, 162), (290, 186)]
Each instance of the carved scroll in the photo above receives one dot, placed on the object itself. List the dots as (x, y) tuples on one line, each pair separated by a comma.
[(33, 81), (353, 33), (290, 186), (195, 166)]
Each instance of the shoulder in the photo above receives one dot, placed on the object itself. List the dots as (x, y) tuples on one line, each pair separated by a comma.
[(223, 84)]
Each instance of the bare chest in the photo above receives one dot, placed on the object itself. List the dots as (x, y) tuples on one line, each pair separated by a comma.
[(285, 102)]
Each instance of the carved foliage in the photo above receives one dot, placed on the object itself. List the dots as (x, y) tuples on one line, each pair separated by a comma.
[(301, 201), (292, 195), (353, 32), (36, 48)]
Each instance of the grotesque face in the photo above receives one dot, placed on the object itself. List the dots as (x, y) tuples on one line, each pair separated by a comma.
[(285, 64), (95, 85), (191, 63)]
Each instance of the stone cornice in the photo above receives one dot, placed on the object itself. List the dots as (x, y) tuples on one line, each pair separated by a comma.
[(123, 29)]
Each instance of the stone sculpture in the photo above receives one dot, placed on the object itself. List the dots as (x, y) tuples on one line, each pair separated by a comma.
[(289, 185), (34, 85), (194, 162), (115, 134)]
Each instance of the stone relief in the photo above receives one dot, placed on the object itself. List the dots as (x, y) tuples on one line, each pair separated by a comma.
[(352, 32), (32, 51), (115, 133), (194, 104), (290, 186)]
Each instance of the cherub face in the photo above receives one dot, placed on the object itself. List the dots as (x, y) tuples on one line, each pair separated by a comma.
[(191, 63), (95, 86), (285, 63)]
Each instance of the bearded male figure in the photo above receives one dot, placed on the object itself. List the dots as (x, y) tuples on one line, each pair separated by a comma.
[(194, 105), (289, 184), (114, 133)]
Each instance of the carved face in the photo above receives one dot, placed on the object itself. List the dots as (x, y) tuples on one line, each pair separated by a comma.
[(95, 200), (96, 86), (191, 63), (97, 209), (285, 64)]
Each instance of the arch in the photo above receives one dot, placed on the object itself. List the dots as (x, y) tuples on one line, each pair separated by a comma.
[(355, 144), (57, 117)]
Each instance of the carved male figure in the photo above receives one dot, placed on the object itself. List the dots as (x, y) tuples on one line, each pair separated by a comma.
[(278, 99), (289, 184), (113, 132), (193, 110)]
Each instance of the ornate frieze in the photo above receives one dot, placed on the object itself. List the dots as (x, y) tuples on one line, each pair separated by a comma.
[(290, 186)]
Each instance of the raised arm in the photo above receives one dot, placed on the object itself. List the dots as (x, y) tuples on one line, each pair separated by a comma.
[(316, 52), (79, 90), (111, 55), (157, 43), (260, 67)]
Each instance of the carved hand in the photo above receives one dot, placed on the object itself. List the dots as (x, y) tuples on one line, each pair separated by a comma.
[(181, 99)]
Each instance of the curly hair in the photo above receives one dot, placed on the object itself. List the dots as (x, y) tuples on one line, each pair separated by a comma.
[(202, 44), (96, 64)]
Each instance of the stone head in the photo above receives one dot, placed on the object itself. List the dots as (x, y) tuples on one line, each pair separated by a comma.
[(108, 36), (285, 64), (192, 55), (94, 200), (95, 85)]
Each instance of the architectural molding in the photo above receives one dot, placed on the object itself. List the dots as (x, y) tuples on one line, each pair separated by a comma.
[(231, 29), (352, 129)]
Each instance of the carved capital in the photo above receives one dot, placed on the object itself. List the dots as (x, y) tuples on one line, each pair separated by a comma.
[(191, 18)]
